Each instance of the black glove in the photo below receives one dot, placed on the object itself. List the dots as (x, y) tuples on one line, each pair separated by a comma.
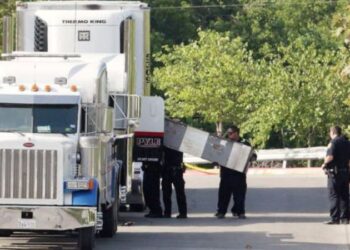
[(183, 165), (254, 157)]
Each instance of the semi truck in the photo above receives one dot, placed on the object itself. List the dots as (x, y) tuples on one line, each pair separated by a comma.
[(77, 121)]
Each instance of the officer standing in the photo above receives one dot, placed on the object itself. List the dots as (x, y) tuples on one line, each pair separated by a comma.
[(233, 183), (172, 174), (336, 166), (151, 189)]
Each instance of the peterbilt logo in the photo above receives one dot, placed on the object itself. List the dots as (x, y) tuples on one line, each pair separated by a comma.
[(28, 145), (148, 142), (84, 21)]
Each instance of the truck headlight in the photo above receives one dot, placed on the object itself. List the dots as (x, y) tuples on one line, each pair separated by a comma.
[(75, 158)]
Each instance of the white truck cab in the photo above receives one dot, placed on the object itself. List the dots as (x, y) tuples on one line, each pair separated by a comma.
[(59, 170)]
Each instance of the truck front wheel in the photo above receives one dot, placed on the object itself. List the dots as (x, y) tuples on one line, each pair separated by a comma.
[(86, 238), (110, 218), (137, 207)]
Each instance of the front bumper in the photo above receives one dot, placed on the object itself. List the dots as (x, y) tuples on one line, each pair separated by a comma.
[(46, 218)]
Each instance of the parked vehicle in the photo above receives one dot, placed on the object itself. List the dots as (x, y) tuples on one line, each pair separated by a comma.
[(75, 105)]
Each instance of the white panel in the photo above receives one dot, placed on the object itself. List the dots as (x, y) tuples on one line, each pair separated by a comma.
[(194, 141), (100, 39), (116, 73), (239, 156), (199, 143), (152, 114)]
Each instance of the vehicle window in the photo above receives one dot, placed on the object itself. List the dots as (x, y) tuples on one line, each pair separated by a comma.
[(15, 118), (55, 119), (39, 118)]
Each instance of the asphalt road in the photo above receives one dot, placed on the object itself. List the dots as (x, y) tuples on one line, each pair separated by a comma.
[(285, 211)]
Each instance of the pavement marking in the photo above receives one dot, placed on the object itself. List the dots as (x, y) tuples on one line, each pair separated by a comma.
[(213, 171)]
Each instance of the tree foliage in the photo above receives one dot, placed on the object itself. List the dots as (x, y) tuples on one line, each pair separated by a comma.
[(278, 23), (6, 9), (302, 96), (290, 70), (198, 82)]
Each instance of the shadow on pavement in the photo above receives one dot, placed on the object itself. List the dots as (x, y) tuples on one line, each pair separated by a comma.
[(212, 221), (39, 241), (194, 241), (264, 200)]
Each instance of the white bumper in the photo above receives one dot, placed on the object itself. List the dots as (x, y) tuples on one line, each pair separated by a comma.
[(46, 218)]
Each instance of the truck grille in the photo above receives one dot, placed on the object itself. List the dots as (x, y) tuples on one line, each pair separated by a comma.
[(28, 174)]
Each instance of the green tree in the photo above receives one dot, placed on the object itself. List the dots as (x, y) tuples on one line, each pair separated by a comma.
[(266, 27), (206, 78), (170, 24), (176, 21), (301, 96), (6, 9)]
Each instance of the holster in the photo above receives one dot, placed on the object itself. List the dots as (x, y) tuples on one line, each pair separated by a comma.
[(330, 172)]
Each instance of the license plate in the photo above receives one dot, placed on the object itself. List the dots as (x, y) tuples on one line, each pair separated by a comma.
[(27, 223)]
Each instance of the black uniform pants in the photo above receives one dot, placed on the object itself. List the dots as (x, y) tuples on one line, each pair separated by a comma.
[(338, 190), (232, 185), (151, 190), (174, 177)]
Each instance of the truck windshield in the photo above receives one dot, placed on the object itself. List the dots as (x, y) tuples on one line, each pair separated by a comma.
[(27, 118)]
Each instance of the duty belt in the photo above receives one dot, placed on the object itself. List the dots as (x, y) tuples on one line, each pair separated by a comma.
[(343, 170)]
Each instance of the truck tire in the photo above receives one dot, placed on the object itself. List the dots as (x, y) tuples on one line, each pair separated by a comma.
[(86, 239), (137, 207), (5, 233), (123, 208), (110, 219)]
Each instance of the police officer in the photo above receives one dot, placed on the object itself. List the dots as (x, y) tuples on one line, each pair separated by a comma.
[(336, 166), (172, 174), (233, 183), (151, 189)]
